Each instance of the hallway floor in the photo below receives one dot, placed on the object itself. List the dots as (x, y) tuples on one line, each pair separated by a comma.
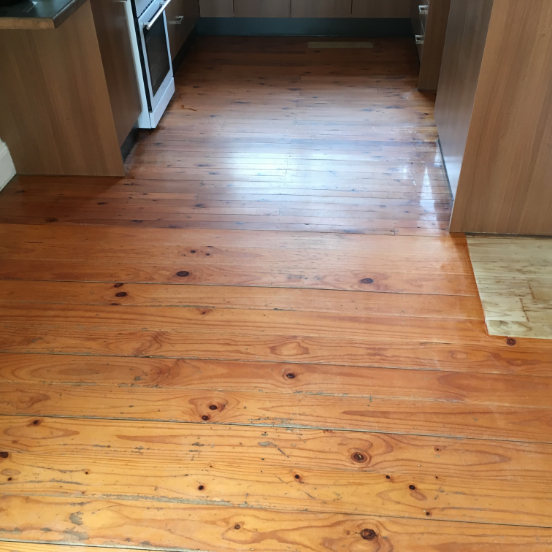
[(264, 338)]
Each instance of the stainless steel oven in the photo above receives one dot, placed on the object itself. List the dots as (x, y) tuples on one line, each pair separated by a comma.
[(155, 59)]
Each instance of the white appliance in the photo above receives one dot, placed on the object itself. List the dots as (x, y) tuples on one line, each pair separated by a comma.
[(152, 58)]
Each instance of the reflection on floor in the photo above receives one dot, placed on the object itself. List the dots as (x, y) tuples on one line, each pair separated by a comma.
[(280, 137), (264, 338), (514, 280)]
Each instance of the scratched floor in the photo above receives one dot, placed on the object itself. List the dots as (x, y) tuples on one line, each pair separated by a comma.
[(264, 338)]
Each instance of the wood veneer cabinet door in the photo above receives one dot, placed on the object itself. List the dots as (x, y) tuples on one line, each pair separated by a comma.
[(321, 8), (262, 8), (464, 45), (182, 15), (433, 28), (216, 8), (59, 119), (382, 8)]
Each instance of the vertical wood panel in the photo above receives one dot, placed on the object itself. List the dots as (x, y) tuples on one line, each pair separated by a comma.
[(174, 12), (262, 8), (63, 122), (180, 29), (118, 62), (464, 45), (505, 184), (216, 8), (434, 42), (382, 8), (321, 8)]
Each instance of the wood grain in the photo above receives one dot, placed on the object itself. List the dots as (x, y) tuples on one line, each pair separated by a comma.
[(462, 57), (393, 415), (70, 86), (441, 487), (214, 527), (27, 23), (321, 8), (452, 459), (112, 30), (504, 182), (246, 322), (262, 123), (381, 8), (288, 299), (331, 278), (216, 8), (262, 8), (434, 42), (410, 267), (528, 358), (271, 292), (315, 379)]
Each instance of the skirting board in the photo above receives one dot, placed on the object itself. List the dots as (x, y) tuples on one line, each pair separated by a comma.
[(288, 26), (7, 169)]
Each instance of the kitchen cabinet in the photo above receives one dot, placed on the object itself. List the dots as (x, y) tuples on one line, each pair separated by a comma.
[(494, 115), (216, 8), (419, 22), (112, 30), (262, 8), (67, 112), (394, 9), (321, 8), (430, 20), (182, 15), (381, 8)]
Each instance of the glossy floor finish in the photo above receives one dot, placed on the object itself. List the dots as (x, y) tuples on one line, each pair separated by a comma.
[(265, 339), (272, 135)]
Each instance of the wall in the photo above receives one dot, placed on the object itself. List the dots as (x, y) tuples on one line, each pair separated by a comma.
[(7, 169)]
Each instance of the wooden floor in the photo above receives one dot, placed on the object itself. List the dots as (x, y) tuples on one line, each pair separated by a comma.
[(264, 338), (271, 135)]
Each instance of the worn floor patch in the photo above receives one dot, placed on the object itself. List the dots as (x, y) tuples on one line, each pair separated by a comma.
[(514, 280)]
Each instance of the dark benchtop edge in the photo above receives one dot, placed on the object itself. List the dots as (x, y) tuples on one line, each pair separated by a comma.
[(40, 14), (71, 7)]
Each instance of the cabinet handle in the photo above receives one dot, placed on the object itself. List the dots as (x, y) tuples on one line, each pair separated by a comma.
[(177, 20), (423, 10), (419, 39)]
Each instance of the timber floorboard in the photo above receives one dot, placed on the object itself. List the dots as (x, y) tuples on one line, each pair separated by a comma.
[(264, 336)]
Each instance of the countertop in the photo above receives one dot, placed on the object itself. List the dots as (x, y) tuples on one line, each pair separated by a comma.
[(37, 14)]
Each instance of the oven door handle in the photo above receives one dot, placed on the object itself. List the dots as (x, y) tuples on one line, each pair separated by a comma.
[(149, 25)]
